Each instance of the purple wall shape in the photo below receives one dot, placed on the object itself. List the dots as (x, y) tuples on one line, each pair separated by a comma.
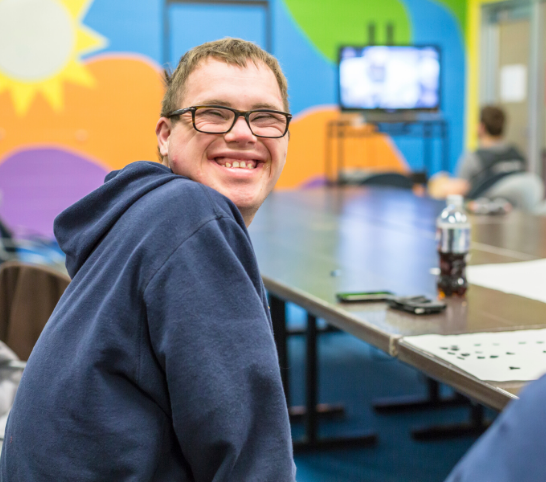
[(37, 184)]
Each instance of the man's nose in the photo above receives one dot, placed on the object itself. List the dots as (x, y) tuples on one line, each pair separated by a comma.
[(240, 132)]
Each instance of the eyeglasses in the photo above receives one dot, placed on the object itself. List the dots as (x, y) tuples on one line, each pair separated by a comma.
[(215, 119)]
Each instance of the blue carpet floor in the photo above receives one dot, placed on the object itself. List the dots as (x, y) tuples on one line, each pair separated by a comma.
[(354, 373)]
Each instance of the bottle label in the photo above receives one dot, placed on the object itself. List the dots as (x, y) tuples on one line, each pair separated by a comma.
[(453, 240)]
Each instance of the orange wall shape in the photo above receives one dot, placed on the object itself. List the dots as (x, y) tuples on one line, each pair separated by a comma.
[(113, 122), (307, 149)]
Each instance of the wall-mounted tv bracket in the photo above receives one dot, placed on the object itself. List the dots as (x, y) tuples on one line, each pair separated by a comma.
[(371, 33), (389, 29)]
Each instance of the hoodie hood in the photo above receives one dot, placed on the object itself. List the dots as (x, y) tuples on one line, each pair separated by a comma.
[(79, 228)]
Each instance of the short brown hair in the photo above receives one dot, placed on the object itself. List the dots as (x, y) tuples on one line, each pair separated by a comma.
[(493, 119), (232, 51)]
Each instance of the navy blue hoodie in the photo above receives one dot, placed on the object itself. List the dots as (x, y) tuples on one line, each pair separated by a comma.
[(158, 363)]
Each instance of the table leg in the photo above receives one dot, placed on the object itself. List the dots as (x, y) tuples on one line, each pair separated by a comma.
[(328, 155), (278, 316), (281, 334), (311, 385), (427, 148), (311, 440), (340, 156), (445, 143)]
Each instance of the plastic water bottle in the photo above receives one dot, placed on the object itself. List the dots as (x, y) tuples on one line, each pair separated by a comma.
[(453, 234)]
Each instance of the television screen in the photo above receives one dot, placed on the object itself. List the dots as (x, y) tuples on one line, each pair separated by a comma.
[(389, 78)]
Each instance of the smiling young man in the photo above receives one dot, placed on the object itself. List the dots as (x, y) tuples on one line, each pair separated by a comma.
[(159, 363), (238, 164)]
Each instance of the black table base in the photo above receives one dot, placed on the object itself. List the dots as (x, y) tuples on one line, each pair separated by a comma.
[(324, 411), (305, 445), (312, 411), (303, 331), (411, 403), (474, 427)]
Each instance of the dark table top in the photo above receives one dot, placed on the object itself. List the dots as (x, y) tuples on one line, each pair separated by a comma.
[(314, 243)]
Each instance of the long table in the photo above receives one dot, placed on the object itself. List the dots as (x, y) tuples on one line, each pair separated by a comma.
[(314, 243)]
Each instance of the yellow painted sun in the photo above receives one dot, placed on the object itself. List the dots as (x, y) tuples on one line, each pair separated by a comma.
[(41, 42)]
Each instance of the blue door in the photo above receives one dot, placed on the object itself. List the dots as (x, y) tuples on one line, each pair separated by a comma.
[(191, 24)]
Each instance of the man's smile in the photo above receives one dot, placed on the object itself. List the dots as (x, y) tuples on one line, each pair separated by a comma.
[(237, 163)]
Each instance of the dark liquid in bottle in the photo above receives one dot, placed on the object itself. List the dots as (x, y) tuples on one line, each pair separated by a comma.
[(452, 278)]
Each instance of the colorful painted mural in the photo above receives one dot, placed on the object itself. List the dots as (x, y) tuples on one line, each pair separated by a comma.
[(80, 85), (70, 113)]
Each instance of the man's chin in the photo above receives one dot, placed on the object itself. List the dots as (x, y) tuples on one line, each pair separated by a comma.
[(242, 198), (246, 206)]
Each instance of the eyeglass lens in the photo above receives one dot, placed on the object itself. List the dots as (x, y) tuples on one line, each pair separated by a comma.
[(215, 120)]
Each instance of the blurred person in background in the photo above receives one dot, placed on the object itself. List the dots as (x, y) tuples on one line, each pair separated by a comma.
[(479, 170)]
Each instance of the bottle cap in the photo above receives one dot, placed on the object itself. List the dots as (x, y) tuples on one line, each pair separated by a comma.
[(455, 200)]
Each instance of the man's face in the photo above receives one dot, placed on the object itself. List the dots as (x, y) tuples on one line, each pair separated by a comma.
[(203, 157)]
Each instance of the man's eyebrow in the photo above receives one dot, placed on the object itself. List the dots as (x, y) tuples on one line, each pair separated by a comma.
[(259, 105), (265, 105), (215, 102)]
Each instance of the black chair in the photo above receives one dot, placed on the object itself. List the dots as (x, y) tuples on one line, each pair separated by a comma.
[(7, 244), (389, 179), (523, 190)]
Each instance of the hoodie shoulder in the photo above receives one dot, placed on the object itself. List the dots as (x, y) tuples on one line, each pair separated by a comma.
[(184, 194), (142, 197)]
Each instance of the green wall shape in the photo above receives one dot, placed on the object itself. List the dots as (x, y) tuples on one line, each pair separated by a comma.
[(458, 9), (331, 23)]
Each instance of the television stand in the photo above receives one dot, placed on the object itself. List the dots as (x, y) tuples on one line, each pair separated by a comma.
[(375, 117), (426, 125)]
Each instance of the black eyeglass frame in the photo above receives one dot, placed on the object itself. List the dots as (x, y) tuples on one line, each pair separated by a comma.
[(238, 113)]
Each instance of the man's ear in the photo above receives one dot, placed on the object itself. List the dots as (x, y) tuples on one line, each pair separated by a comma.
[(163, 133)]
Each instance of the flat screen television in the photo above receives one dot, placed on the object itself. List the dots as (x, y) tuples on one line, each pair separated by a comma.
[(389, 78)]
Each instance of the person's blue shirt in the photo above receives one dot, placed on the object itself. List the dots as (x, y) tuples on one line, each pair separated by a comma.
[(514, 447)]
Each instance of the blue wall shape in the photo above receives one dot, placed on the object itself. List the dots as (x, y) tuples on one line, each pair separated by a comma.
[(311, 76), (192, 25), (434, 24), (133, 26)]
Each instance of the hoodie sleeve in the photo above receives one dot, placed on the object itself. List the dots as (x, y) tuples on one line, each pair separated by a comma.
[(212, 337), (513, 448)]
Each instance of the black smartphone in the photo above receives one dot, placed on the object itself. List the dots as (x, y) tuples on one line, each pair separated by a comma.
[(418, 305), (362, 296)]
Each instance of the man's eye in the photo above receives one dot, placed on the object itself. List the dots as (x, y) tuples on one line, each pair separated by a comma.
[(268, 119), (210, 113), (264, 116)]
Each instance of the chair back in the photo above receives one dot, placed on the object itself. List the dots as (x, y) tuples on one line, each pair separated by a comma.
[(524, 190), (386, 179), (28, 296), (7, 244)]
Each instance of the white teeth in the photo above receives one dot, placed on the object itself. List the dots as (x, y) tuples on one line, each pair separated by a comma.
[(239, 164)]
